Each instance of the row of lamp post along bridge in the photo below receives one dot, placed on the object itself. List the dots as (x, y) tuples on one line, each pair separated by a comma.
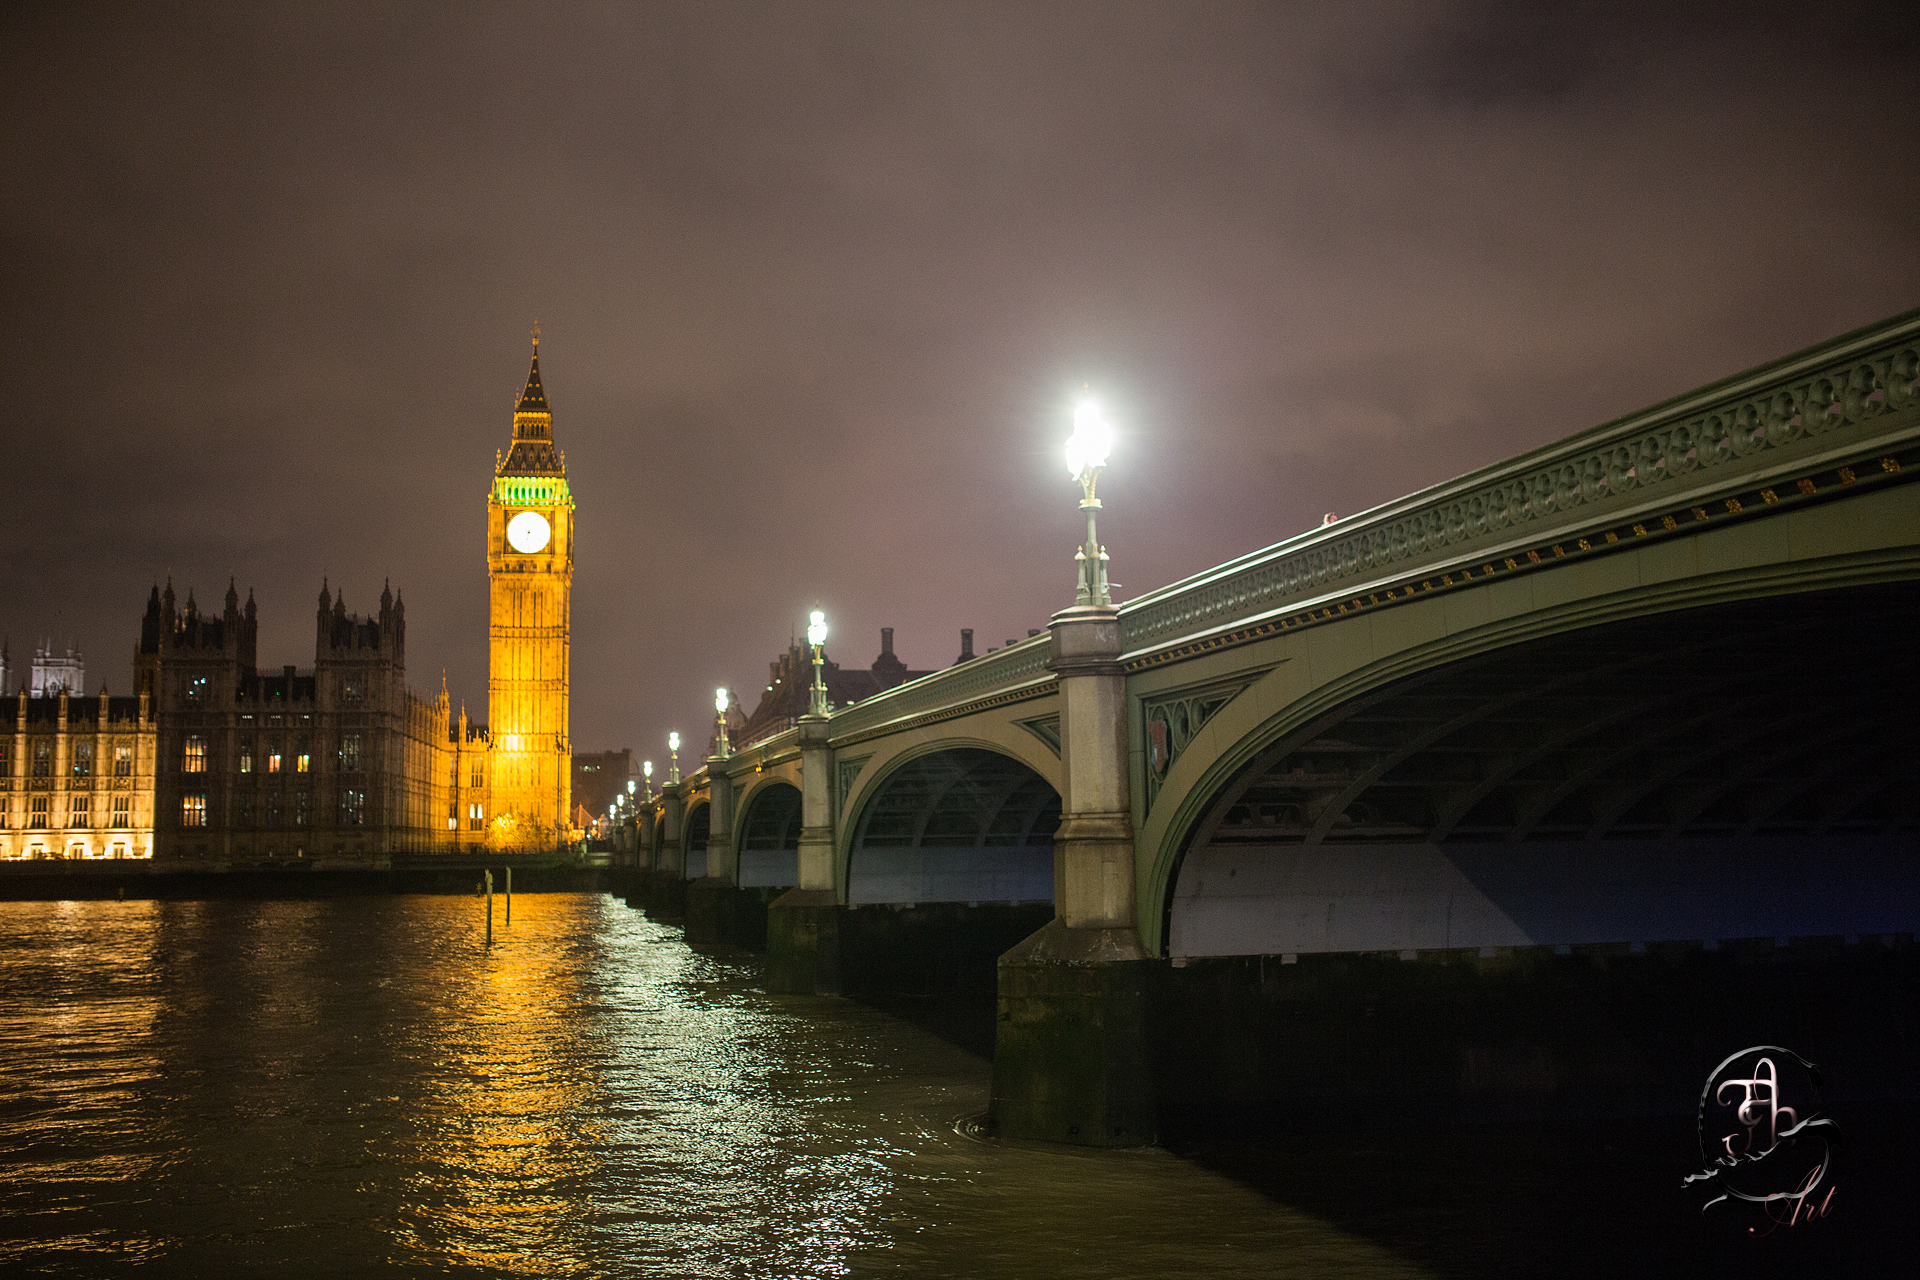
[(1070, 1060), (1087, 449)]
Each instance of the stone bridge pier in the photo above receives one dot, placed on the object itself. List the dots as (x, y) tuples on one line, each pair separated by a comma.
[(1071, 1060)]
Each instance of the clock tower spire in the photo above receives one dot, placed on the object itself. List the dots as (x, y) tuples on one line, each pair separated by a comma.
[(530, 576)]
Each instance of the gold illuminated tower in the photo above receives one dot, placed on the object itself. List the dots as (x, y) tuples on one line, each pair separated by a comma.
[(530, 575)]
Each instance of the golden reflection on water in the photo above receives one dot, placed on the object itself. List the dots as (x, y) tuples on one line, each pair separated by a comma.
[(349, 1085), (507, 1115)]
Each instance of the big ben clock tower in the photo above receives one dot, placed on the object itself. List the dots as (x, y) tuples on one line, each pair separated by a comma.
[(530, 573)]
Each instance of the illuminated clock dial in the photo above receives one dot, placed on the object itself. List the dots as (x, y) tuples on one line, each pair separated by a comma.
[(528, 532)]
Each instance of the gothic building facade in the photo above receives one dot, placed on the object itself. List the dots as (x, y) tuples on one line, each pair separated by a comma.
[(76, 776), (266, 766)]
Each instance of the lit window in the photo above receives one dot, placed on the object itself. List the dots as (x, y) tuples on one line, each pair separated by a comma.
[(350, 753), (476, 818), (197, 687), (353, 805), (353, 691), (6, 813), (193, 811), (273, 757), (246, 755), (83, 759), (122, 760), (42, 758), (122, 811), (302, 761), (194, 758), (37, 814), (80, 811)]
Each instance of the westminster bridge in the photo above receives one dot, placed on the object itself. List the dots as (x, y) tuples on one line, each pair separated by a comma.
[(1611, 739)]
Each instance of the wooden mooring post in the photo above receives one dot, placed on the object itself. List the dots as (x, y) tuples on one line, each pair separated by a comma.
[(489, 908), (509, 897)]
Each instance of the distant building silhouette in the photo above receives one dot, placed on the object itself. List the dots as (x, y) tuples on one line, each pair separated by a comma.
[(790, 680)]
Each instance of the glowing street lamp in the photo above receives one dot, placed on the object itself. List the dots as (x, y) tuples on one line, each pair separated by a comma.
[(1087, 450), (646, 770), (817, 636), (673, 757), (720, 722)]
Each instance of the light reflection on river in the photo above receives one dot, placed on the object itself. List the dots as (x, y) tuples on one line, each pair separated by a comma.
[(336, 1086)]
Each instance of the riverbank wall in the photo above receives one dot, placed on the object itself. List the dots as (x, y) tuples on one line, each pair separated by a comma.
[(189, 879)]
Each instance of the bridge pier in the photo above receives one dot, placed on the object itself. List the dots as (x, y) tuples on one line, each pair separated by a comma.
[(803, 924), (711, 900), (1071, 1060)]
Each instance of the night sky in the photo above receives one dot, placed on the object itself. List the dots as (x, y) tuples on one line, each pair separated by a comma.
[(816, 285)]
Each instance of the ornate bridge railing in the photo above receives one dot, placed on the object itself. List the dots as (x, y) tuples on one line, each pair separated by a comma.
[(1018, 669), (1788, 432)]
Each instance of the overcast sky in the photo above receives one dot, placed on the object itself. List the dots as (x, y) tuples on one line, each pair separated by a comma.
[(816, 284)]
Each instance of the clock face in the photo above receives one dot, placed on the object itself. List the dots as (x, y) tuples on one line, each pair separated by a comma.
[(528, 532)]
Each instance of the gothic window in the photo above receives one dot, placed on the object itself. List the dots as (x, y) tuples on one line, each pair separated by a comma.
[(302, 760), (273, 808), (476, 818), (353, 691), (477, 774), (273, 756), (6, 813), (122, 811), (37, 815), (122, 760), (42, 758), (6, 761), (193, 758), (246, 755), (299, 808), (83, 759), (197, 687), (80, 811), (193, 811), (350, 753), (243, 809), (353, 806)]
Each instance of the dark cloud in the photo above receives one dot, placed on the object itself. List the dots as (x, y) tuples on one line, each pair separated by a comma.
[(816, 283)]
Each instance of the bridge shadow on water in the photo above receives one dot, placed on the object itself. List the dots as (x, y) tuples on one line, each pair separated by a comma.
[(1589, 1197)]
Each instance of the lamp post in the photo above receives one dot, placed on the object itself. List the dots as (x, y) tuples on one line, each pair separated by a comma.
[(817, 636), (1087, 450), (721, 747), (673, 758), (646, 770)]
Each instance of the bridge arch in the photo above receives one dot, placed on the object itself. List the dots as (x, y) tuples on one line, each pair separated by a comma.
[(769, 834), (952, 822), (1736, 769), (1300, 675)]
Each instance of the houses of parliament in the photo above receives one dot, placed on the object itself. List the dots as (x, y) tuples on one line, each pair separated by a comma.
[(213, 757)]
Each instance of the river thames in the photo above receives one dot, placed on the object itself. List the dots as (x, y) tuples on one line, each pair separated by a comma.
[(357, 1084)]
